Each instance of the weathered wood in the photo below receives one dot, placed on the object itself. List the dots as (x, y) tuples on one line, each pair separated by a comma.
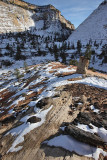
[(82, 65), (83, 136)]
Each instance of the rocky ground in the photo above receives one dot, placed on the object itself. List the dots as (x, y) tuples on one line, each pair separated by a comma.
[(50, 109)]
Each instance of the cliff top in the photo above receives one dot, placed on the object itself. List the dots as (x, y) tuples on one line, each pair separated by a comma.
[(20, 3), (28, 6)]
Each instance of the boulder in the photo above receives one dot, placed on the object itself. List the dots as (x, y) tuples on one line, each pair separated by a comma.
[(43, 102), (34, 119)]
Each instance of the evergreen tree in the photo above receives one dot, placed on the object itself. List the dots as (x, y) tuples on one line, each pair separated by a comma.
[(39, 52), (17, 74), (104, 54), (55, 51), (68, 45), (88, 52), (73, 47), (25, 67), (93, 59), (8, 47), (63, 56), (79, 46), (18, 53)]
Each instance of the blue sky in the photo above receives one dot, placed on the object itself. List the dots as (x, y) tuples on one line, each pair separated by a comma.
[(76, 11)]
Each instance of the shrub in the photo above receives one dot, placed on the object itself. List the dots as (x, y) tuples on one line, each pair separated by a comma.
[(88, 52), (73, 62), (26, 67), (6, 63), (17, 74)]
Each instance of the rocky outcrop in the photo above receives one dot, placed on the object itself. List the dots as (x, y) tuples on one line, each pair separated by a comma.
[(17, 15), (34, 119), (14, 18), (49, 13), (20, 3), (70, 106)]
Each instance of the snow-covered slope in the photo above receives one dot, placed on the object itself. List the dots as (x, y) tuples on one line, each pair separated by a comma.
[(20, 16), (14, 19), (51, 90), (94, 27)]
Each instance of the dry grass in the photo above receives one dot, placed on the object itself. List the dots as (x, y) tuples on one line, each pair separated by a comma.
[(37, 85), (53, 71), (64, 74), (74, 79), (91, 73)]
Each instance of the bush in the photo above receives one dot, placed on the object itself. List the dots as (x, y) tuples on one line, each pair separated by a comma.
[(73, 62), (6, 63), (93, 52), (17, 74), (88, 52), (26, 67)]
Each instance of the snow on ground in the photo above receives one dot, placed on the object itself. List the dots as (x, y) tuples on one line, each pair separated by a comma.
[(92, 28), (100, 131), (94, 110), (91, 81), (71, 144), (25, 128), (51, 82)]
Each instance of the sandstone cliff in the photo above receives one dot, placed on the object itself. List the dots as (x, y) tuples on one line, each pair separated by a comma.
[(13, 18), (17, 15)]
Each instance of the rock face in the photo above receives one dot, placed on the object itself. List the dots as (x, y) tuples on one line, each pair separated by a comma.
[(18, 16), (51, 16), (82, 65), (67, 105), (34, 119), (14, 19)]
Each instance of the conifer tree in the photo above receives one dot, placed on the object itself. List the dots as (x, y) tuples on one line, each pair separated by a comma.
[(88, 52), (55, 51), (79, 46)]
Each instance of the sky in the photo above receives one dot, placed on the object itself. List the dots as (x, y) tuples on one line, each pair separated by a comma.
[(76, 11)]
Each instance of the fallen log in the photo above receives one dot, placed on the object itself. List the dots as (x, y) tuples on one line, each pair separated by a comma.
[(83, 136)]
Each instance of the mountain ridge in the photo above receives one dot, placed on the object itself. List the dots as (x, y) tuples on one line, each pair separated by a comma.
[(94, 27), (30, 11)]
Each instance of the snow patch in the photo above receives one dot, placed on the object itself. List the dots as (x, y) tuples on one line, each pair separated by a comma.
[(71, 144), (25, 128)]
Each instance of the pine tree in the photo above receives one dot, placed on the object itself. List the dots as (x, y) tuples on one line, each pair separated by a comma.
[(18, 53), (63, 56), (68, 45), (55, 51), (73, 47), (25, 67), (88, 52), (17, 74), (79, 46)]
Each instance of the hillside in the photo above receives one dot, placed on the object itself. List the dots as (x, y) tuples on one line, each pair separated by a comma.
[(30, 32), (14, 19), (17, 15), (92, 32), (48, 111), (94, 28)]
